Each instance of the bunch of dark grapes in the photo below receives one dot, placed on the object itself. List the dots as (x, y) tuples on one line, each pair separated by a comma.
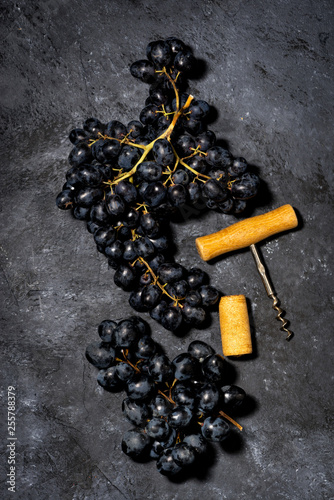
[(127, 181), (177, 407)]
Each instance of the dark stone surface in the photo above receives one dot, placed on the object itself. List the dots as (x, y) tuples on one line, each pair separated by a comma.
[(269, 73)]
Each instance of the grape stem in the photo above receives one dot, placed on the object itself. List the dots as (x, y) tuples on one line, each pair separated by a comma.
[(187, 166), (223, 414), (162, 287), (165, 135)]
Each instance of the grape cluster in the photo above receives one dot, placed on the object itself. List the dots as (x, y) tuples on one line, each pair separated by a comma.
[(127, 181), (176, 406)]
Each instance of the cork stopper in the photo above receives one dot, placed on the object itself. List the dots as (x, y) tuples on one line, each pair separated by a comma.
[(234, 326)]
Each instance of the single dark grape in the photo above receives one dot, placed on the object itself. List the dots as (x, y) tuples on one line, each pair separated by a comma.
[(108, 379), (215, 429), (137, 412), (160, 53), (104, 236), (149, 171), (88, 196), (129, 252), (196, 277), (246, 186), (89, 175), (171, 318), (99, 214), (115, 204), (81, 153), (64, 200), (205, 140), (209, 295), (193, 315), (233, 396), (151, 296), (81, 213), (170, 272), (200, 350), (116, 130), (114, 250), (199, 109), (163, 152), (128, 157), (146, 347), (197, 442), (106, 329), (177, 195), (213, 368), (184, 61), (143, 70), (125, 334), (186, 367), (125, 277), (149, 114), (180, 417), (100, 354), (127, 191), (77, 135), (159, 95), (183, 454), (215, 191), (217, 156), (160, 406), (193, 298), (140, 387), (150, 225), (166, 464), (183, 394), (158, 429), (160, 368), (238, 167), (93, 127), (130, 217), (136, 443), (208, 398), (144, 247), (124, 371), (155, 193)]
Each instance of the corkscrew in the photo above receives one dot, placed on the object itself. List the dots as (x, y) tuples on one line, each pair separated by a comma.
[(247, 233), (270, 292)]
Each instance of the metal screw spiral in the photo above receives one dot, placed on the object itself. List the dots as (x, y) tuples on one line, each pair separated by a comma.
[(279, 316), (270, 291)]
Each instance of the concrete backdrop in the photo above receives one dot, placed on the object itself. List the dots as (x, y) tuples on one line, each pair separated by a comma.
[(269, 74)]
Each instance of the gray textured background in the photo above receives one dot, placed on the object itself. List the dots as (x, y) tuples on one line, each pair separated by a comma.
[(270, 76)]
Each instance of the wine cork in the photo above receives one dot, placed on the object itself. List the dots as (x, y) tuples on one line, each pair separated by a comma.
[(234, 326)]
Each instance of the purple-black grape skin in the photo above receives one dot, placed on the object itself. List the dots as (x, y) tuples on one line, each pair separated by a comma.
[(186, 366), (200, 350), (140, 387), (183, 454), (137, 412), (215, 429), (100, 354), (166, 465), (158, 429), (106, 329), (136, 443)]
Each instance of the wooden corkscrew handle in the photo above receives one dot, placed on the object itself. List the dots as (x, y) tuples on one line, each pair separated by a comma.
[(246, 232)]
